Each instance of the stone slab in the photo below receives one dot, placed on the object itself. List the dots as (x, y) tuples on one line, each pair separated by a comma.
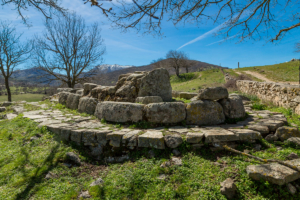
[(130, 138), (194, 138), (115, 138), (219, 135), (154, 139), (246, 134)]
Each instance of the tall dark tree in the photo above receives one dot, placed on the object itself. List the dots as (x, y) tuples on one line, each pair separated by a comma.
[(69, 49), (13, 52), (176, 60)]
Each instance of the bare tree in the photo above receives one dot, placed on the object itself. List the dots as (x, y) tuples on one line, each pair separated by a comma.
[(12, 52), (245, 19), (176, 60), (187, 63), (68, 50)]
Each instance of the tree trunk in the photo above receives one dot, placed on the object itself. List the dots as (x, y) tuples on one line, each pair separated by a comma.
[(7, 89), (177, 71), (187, 70)]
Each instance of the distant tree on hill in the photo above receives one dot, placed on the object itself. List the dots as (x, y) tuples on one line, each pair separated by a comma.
[(177, 60), (159, 63), (12, 52), (69, 49)]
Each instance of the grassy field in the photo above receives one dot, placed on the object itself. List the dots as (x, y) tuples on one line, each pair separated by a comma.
[(279, 72), (25, 163), (24, 97)]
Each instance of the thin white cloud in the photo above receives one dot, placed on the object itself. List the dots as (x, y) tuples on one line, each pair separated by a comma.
[(223, 40), (110, 42), (214, 30)]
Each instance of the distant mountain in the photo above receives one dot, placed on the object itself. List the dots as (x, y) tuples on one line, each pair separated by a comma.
[(106, 68)]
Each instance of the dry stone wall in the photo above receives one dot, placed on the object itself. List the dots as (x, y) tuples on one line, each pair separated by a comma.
[(283, 95)]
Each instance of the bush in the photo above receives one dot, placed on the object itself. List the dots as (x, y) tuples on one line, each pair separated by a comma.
[(258, 106)]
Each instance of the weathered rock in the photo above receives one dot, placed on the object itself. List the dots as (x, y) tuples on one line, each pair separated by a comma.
[(18, 109), (156, 83), (64, 89), (76, 135), (73, 101), (62, 97), (291, 189), (176, 161), (213, 93), (65, 133), (187, 95), (257, 147), (228, 188), (285, 132), (73, 157), (292, 156), (130, 138), (294, 141), (264, 130), (119, 159), (216, 135), (233, 107), (151, 154), (274, 172), (175, 152), (10, 116), (273, 125), (153, 139), (271, 137), (80, 92), (87, 105), (179, 129), (2, 109), (173, 141), (87, 88), (97, 150), (168, 112), (246, 134), (50, 175), (99, 181), (119, 111), (204, 112), (194, 138), (84, 195), (115, 138), (89, 137), (6, 104), (149, 99)]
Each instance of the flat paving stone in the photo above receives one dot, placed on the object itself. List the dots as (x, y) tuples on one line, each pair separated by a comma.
[(115, 138), (219, 135), (56, 128), (179, 129), (92, 124), (11, 116), (274, 173), (35, 116), (153, 139), (273, 125), (194, 137), (47, 122), (264, 130), (246, 134)]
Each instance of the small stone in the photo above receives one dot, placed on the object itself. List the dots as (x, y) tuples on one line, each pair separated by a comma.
[(67, 165), (50, 175), (162, 177), (165, 164), (151, 153), (294, 141), (291, 189), (292, 156), (176, 161), (33, 138), (84, 195), (73, 157), (99, 181), (228, 188), (285, 132), (175, 152), (257, 147), (173, 141), (271, 137), (2, 109)]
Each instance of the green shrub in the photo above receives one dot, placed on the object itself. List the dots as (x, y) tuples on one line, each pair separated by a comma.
[(258, 106), (183, 77)]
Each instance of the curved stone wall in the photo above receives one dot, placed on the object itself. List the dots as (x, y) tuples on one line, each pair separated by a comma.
[(284, 95)]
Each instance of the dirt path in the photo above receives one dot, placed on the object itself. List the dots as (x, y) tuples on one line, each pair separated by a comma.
[(262, 77)]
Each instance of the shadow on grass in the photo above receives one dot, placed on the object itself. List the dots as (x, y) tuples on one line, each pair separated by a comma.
[(40, 171)]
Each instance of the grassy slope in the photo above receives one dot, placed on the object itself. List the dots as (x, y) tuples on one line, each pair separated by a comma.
[(279, 72), (24, 97), (24, 164)]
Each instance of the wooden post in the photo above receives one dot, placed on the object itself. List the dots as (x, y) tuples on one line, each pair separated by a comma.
[(238, 64)]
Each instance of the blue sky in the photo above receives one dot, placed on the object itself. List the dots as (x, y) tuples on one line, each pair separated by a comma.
[(131, 48)]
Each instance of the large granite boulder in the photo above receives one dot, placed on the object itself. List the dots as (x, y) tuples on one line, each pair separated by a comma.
[(149, 99), (87, 105), (73, 101), (119, 111), (233, 107), (87, 88), (167, 112), (204, 112), (156, 83), (213, 93), (285, 132), (62, 97)]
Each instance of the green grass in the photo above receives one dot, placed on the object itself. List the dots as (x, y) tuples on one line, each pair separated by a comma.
[(183, 77), (24, 97), (208, 78), (279, 72), (24, 165)]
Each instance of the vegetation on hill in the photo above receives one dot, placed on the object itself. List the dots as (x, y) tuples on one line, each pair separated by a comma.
[(192, 82), (283, 72)]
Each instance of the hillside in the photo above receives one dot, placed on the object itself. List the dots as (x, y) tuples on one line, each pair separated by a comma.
[(283, 72), (112, 77)]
